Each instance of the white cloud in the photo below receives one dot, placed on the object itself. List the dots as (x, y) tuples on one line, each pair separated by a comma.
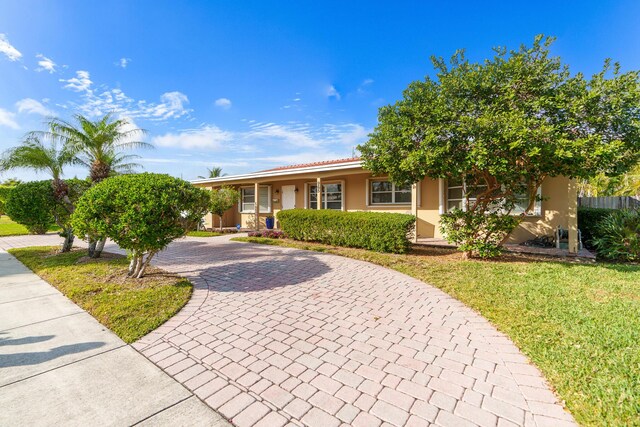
[(8, 50), (80, 83), (123, 62), (7, 119), (172, 105), (31, 106), (332, 92), (45, 64), (296, 134), (224, 103), (209, 136)]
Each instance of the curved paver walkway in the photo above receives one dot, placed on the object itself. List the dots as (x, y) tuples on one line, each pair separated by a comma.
[(275, 336)]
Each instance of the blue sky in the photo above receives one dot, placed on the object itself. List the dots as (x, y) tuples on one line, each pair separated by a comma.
[(251, 85)]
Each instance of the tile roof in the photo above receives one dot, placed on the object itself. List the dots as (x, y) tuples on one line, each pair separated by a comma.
[(307, 165)]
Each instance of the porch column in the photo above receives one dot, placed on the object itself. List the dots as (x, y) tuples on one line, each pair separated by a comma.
[(572, 215), (256, 204), (440, 196), (319, 193), (414, 208)]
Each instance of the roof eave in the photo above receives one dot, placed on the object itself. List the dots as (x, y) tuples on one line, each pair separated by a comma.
[(282, 172)]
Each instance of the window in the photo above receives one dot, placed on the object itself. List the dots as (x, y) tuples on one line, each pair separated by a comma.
[(457, 190), (248, 200), (523, 203), (331, 196), (387, 193)]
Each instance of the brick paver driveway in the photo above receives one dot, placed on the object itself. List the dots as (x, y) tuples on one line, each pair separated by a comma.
[(275, 336)]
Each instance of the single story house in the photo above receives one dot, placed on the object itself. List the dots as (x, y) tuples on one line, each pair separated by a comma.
[(345, 185)]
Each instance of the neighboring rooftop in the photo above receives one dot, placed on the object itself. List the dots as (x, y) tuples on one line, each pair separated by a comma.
[(308, 165)]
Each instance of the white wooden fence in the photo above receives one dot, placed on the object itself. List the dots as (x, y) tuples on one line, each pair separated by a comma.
[(613, 202)]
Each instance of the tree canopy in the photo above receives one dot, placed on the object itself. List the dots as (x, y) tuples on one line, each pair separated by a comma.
[(142, 213), (504, 125)]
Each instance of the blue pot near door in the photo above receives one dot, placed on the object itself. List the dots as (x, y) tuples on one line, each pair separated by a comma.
[(269, 221)]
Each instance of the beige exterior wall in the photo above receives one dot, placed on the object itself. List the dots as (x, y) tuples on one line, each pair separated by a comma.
[(558, 206)]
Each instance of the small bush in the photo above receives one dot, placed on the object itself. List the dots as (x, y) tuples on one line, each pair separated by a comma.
[(618, 236), (270, 234), (588, 220), (478, 233), (32, 204), (382, 232)]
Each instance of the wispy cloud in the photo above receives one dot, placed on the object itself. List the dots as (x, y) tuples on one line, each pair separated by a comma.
[(8, 50), (210, 136), (80, 83), (224, 103), (45, 64), (283, 136), (31, 106), (332, 93), (7, 119), (123, 62), (172, 105)]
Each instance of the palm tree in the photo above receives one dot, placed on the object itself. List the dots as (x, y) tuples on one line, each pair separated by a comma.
[(214, 172), (33, 154), (98, 144)]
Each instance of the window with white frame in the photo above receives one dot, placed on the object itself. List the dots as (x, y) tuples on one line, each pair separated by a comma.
[(382, 192), (457, 191), (331, 197), (248, 199)]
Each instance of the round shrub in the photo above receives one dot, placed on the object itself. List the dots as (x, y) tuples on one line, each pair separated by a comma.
[(142, 213), (32, 204), (618, 236)]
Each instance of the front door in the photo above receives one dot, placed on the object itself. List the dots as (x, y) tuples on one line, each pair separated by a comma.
[(288, 197)]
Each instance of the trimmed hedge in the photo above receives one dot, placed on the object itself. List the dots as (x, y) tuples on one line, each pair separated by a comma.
[(588, 220), (377, 231)]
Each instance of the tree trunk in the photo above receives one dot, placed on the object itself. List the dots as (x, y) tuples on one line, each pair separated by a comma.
[(68, 240), (92, 246), (220, 223), (467, 254), (145, 264), (99, 247)]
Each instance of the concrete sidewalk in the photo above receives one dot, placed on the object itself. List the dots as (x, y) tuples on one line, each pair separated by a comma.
[(59, 366)]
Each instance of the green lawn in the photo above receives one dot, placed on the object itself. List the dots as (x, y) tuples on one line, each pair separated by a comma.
[(203, 234), (579, 323), (10, 228), (129, 307)]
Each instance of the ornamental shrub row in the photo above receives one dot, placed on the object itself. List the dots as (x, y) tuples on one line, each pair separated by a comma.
[(588, 220), (377, 231)]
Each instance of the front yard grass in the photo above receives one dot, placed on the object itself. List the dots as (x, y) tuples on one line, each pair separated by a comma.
[(129, 307), (11, 228), (578, 323), (203, 234)]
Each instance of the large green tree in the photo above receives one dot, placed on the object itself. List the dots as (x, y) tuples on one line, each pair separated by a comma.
[(503, 126)]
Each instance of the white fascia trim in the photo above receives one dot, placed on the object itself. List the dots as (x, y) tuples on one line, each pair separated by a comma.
[(283, 172)]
